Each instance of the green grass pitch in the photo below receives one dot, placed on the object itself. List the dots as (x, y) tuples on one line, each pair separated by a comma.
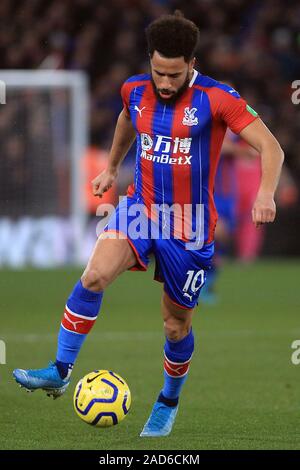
[(242, 391)]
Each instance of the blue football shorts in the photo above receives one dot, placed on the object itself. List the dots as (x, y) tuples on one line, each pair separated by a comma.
[(183, 272)]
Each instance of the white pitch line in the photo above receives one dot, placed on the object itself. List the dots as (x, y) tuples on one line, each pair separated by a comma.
[(105, 336), (144, 335)]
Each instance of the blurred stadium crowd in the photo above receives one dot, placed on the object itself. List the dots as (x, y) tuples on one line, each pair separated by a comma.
[(253, 45)]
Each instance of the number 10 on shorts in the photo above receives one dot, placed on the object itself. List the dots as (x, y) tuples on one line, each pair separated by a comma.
[(195, 280)]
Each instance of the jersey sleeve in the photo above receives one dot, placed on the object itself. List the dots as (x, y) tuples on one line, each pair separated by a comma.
[(125, 94), (231, 108)]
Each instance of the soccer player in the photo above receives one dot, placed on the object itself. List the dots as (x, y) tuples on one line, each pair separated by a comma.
[(179, 118)]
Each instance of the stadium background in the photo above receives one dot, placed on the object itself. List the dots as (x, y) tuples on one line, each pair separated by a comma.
[(243, 376), (254, 45)]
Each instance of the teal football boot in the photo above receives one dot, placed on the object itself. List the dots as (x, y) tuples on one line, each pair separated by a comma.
[(161, 420), (47, 379)]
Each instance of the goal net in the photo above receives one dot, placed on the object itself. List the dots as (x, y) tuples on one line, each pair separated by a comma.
[(43, 128)]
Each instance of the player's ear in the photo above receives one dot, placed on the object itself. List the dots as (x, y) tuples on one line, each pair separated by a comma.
[(191, 64)]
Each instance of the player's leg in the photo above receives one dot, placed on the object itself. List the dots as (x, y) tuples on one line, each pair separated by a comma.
[(183, 270), (178, 350), (109, 259), (112, 255)]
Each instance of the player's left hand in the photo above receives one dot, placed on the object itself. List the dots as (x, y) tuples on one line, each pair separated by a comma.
[(264, 209)]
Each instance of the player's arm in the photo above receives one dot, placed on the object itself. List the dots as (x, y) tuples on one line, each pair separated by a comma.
[(272, 156), (124, 137)]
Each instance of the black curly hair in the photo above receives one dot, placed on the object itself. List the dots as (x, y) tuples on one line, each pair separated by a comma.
[(173, 36)]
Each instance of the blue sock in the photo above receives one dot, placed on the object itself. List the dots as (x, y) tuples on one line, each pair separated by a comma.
[(178, 356), (79, 317)]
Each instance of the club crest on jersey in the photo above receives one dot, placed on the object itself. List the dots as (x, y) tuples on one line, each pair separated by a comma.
[(189, 117), (146, 141)]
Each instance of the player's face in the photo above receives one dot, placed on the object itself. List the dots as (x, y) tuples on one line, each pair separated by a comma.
[(170, 76)]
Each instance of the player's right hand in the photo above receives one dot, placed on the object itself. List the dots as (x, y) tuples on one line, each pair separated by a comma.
[(264, 209), (103, 182)]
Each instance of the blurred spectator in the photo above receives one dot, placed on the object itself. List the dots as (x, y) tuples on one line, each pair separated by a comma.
[(255, 44)]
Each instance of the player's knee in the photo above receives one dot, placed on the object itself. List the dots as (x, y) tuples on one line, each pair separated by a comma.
[(94, 280)]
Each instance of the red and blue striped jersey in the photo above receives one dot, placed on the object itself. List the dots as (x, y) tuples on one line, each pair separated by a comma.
[(178, 145)]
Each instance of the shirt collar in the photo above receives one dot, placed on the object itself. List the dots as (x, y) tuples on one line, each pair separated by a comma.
[(193, 78)]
